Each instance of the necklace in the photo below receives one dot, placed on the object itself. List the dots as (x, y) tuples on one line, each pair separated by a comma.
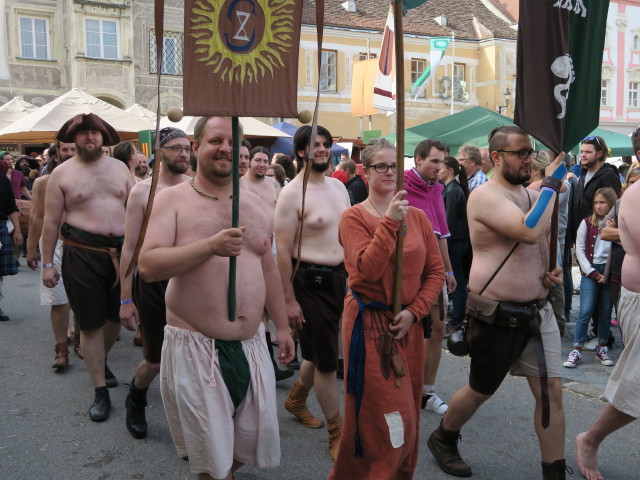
[(374, 207), (201, 193)]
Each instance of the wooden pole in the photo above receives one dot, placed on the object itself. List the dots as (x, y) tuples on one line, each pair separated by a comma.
[(235, 215), (399, 68)]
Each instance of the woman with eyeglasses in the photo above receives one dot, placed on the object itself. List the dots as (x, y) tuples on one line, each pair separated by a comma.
[(455, 195), (380, 434)]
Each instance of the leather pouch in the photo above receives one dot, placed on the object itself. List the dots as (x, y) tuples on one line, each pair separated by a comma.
[(318, 278), (513, 316), (385, 347), (482, 308)]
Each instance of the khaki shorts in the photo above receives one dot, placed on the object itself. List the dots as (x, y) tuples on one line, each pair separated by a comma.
[(202, 419), (624, 383), (56, 295)]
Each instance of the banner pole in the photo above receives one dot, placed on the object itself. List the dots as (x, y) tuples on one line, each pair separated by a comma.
[(235, 215), (399, 67)]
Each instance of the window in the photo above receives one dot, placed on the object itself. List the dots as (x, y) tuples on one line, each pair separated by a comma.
[(367, 56), (636, 42), (634, 87), (328, 71), (604, 93), (172, 53), (102, 38), (459, 83), (418, 66), (34, 38)]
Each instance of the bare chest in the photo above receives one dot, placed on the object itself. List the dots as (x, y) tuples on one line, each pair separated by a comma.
[(95, 186)]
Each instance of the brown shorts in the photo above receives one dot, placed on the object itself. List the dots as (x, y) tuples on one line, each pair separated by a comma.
[(89, 277), (322, 303), (494, 351), (149, 300)]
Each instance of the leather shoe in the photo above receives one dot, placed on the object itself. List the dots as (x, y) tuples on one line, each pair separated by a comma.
[(444, 447), (101, 407), (109, 378)]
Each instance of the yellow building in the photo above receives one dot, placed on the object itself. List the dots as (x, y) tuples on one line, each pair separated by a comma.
[(106, 48)]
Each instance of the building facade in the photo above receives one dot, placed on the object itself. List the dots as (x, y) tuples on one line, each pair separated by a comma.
[(107, 48)]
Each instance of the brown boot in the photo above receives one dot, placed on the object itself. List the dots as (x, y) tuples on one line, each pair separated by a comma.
[(444, 447), (335, 432), (76, 344), (555, 471), (62, 356), (296, 404)]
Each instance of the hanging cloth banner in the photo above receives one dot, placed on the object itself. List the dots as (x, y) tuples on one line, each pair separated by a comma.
[(559, 68), (384, 91), (362, 85), (437, 48), (241, 57)]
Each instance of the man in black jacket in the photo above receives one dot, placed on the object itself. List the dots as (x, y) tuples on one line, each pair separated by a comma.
[(355, 186), (595, 174)]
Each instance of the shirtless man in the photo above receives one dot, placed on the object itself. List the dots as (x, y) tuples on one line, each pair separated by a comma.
[(55, 297), (142, 169), (502, 213), (91, 191), (144, 302), (315, 295), (243, 157), (218, 428), (256, 181), (622, 388)]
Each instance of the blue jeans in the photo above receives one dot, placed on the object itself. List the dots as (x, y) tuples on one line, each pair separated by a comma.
[(593, 295), (458, 248)]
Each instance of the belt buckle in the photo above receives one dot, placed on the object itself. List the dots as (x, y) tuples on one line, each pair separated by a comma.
[(513, 322)]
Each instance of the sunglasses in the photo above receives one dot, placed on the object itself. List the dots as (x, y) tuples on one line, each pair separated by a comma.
[(596, 139)]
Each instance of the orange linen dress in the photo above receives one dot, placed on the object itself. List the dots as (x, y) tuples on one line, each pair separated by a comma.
[(389, 417)]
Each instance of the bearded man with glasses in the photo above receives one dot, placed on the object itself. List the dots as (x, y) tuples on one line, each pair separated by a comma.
[(511, 326)]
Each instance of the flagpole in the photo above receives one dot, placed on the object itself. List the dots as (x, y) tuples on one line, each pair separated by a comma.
[(235, 215), (453, 66), (399, 67)]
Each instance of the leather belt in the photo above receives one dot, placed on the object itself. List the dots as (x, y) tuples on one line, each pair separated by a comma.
[(111, 251)]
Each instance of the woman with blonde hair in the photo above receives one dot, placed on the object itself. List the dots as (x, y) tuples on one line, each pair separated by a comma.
[(380, 434)]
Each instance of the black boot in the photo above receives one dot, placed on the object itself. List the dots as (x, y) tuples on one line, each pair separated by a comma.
[(135, 403), (554, 471), (109, 378), (280, 374), (101, 407), (3, 316), (444, 447)]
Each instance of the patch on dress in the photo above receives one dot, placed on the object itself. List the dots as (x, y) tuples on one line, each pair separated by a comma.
[(396, 428)]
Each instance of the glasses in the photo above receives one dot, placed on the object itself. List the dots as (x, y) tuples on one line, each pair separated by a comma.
[(384, 168), (523, 154), (178, 149), (596, 139)]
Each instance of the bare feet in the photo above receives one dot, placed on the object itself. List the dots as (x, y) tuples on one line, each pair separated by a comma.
[(586, 458)]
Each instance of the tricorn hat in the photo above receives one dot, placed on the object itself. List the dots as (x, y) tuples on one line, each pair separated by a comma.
[(88, 121)]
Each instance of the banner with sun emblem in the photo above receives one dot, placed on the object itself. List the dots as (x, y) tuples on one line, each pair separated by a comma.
[(241, 57)]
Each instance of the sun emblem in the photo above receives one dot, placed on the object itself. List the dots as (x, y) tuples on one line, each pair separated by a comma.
[(242, 40)]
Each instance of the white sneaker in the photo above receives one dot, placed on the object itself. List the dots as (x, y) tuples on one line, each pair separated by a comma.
[(575, 357), (436, 405), (591, 345), (601, 353)]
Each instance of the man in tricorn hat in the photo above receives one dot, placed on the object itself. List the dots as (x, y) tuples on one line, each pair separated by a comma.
[(90, 190)]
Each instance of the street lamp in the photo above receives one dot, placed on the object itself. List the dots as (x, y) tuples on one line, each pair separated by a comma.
[(507, 101)]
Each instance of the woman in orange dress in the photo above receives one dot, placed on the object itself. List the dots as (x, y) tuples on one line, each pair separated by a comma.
[(380, 434)]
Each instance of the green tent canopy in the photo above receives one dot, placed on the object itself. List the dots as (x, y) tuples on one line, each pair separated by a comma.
[(474, 125)]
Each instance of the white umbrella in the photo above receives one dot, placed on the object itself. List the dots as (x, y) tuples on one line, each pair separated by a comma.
[(139, 110), (42, 125), (251, 127), (14, 110)]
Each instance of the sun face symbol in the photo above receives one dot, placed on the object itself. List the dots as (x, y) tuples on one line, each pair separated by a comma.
[(242, 40)]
